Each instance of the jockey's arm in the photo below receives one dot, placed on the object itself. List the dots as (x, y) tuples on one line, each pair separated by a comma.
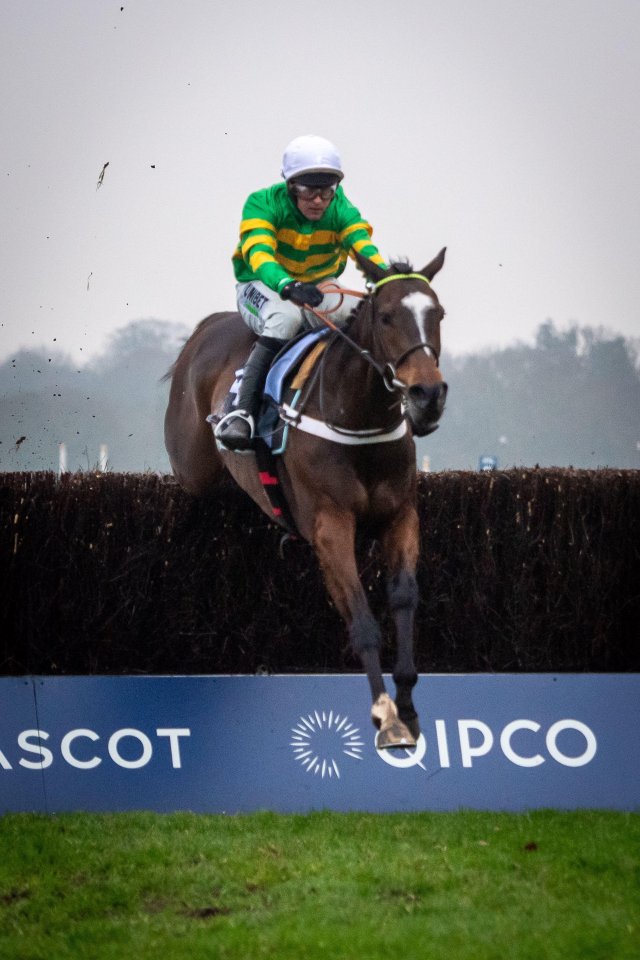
[(355, 234), (256, 251)]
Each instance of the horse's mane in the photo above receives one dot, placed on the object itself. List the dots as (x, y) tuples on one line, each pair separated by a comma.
[(401, 266), (395, 267)]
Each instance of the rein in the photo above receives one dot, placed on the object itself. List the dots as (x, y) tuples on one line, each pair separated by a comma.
[(387, 371), (294, 417)]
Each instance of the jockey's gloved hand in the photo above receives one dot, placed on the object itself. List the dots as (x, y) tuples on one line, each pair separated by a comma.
[(304, 294)]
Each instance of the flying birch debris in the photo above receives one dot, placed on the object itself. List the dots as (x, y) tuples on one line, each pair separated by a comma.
[(101, 177), (19, 441)]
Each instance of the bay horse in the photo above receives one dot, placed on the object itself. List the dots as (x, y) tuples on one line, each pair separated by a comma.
[(377, 386)]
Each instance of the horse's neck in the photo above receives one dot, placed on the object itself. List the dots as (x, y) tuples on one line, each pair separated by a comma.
[(362, 332), (352, 390), (361, 329)]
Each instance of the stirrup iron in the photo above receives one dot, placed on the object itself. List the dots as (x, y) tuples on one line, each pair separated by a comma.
[(241, 415), (228, 418)]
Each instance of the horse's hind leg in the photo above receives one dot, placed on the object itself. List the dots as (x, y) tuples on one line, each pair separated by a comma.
[(195, 460), (401, 545), (334, 543)]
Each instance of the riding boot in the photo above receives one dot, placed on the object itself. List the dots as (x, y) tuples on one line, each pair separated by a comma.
[(236, 431)]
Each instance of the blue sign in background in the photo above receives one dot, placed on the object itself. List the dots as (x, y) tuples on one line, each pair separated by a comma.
[(297, 743)]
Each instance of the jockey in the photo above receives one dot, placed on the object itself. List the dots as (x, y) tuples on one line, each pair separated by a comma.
[(293, 235)]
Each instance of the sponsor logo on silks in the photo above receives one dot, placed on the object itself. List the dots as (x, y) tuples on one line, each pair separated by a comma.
[(320, 739), (254, 297)]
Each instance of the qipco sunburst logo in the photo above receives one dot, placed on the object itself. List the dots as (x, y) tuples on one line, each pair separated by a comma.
[(321, 740)]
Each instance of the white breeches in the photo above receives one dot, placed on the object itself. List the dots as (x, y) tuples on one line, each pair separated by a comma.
[(269, 315)]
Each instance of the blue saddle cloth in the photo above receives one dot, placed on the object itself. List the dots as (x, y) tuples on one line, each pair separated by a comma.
[(288, 359), (270, 427)]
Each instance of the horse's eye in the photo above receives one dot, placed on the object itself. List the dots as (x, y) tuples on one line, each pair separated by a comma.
[(385, 318)]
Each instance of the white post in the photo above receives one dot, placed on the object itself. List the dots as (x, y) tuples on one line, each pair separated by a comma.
[(426, 464), (103, 457), (62, 458)]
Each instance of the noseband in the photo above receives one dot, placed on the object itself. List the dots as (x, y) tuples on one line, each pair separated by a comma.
[(388, 371)]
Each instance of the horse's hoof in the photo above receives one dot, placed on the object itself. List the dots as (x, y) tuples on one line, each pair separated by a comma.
[(413, 726), (392, 732), (395, 736), (383, 711)]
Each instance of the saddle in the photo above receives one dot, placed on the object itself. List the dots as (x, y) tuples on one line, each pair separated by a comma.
[(287, 375)]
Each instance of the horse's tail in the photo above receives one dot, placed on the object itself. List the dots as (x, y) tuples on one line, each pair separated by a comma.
[(205, 322), (168, 375)]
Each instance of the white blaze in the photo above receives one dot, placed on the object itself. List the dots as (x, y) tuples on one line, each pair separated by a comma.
[(419, 304)]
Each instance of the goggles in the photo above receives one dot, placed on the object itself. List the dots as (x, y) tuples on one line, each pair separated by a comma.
[(310, 193)]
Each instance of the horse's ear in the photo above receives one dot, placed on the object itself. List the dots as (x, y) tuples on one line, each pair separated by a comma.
[(370, 269), (435, 266)]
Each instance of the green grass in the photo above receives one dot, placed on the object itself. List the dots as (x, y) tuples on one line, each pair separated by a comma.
[(320, 887)]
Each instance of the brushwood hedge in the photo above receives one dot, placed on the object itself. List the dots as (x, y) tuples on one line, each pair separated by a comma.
[(521, 570)]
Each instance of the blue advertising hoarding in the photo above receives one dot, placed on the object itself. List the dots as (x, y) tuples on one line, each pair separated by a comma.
[(231, 744)]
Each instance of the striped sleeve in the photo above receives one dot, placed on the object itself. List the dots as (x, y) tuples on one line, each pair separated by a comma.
[(355, 235), (258, 243)]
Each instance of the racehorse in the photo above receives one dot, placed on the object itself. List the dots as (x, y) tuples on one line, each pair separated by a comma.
[(377, 385)]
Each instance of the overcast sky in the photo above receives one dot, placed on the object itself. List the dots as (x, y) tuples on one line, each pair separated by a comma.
[(506, 130)]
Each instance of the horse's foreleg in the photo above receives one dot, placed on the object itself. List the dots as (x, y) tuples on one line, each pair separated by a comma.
[(401, 546), (334, 543)]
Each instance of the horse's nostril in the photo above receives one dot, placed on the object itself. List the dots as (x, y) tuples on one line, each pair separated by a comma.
[(419, 393), (423, 395)]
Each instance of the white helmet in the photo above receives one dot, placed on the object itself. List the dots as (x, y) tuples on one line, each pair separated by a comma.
[(311, 154)]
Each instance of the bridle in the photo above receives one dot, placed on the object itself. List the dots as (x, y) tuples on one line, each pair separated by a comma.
[(387, 370)]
